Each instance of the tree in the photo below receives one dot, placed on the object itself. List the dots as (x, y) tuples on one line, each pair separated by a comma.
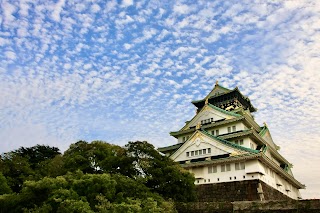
[(25, 164), (16, 169), (78, 192), (92, 177), (37, 154), (98, 157), (161, 174), (4, 188)]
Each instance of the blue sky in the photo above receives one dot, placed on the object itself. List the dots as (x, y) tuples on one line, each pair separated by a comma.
[(127, 70)]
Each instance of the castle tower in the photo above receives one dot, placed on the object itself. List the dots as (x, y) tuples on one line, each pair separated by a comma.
[(230, 155)]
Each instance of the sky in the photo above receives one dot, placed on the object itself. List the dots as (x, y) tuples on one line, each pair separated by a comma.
[(122, 71)]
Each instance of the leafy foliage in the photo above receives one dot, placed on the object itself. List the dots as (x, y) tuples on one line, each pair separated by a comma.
[(92, 177), (78, 192), (4, 188), (26, 164), (162, 174), (98, 157)]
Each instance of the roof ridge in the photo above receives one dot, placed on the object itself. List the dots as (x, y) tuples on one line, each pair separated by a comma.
[(229, 143), (195, 101), (222, 87), (263, 131)]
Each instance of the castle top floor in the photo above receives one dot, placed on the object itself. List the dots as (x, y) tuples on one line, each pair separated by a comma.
[(225, 99)]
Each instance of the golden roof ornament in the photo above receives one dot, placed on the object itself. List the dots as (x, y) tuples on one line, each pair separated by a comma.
[(217, 82), (234, 154), (207, 101), (265, 124), (198, 125)]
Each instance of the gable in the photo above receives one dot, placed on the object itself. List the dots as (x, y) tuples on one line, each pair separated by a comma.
[(207, 114), (267, 137), (217, 90), (199, 142)]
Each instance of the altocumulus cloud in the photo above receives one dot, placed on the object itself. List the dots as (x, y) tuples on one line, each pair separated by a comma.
[(127, 70)]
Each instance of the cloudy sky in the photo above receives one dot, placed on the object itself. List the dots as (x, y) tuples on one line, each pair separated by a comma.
[(127, 70)]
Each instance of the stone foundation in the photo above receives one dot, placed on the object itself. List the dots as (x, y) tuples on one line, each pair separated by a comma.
[(282, 206), (248, 190)]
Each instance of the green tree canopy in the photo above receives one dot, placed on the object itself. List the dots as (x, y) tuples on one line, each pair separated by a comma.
[(4, 187), (78, 192), (98, 157), (161, 174), (92, 177), (25, 164)]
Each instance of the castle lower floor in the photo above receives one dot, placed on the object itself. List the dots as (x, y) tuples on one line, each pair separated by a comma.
[(246, 190)]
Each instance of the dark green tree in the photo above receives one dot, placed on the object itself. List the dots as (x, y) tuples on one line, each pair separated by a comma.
[(98, 157), (26, 164), (161, 174), (78, 192), (37, 154), (4, 187)]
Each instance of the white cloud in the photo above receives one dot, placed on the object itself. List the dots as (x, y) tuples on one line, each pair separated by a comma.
[(10, 55), (127, 3), (87, 66), (95, 8), (57, 10), (181, 8), (127, 46), (8, 10)]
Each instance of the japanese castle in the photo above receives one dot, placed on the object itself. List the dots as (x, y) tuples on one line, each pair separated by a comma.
[(222, 144)]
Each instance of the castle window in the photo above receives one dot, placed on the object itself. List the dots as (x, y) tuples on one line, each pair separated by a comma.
[(218, 179), (229, 129), (192, 153), (239, 142), (204, 151), (200, 152), (187, 154), (234, 128), (228, 167), (217, 132), (235, 177), (183, 139), (212, 132), (240, 166), (209, 150), (196, 152), (211, 119), (212, 169), (208, 180), (230, 178), (244, 177), (252, 146), (225, 167)]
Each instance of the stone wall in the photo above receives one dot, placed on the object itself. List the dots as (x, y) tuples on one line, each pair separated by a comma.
[(270, 193), (249, 190), (284, 206)]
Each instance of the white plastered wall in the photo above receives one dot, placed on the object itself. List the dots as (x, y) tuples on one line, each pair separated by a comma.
[(207, 113)]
